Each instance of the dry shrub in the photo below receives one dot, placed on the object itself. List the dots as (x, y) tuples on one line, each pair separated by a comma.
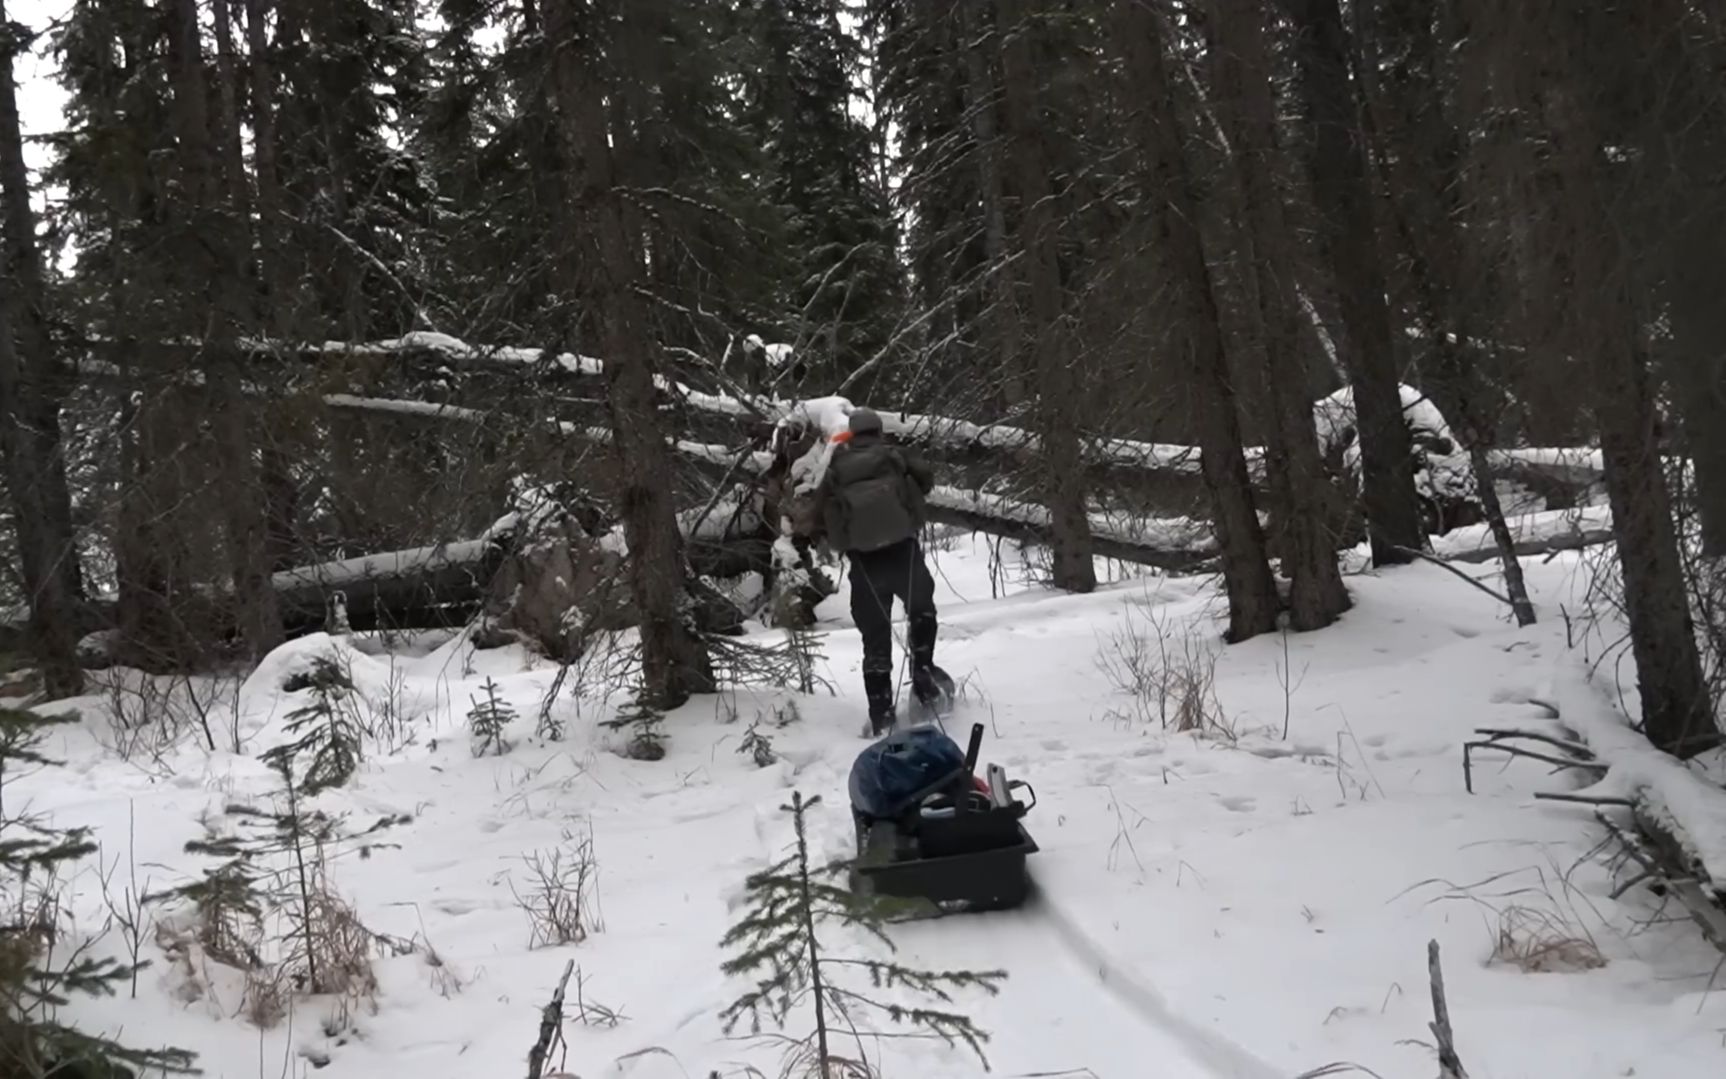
[(560, 893), (1541, 942), (1539, 928), (1167, 672)]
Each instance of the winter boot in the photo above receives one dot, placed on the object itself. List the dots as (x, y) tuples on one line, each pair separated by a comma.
[(878, 688)]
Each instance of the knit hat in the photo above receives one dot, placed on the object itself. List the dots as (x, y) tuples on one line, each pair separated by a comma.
[(865, 421)]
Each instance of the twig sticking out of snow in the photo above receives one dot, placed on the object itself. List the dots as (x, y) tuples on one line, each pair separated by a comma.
[(550, 1026), (1580, 756), (1449, 1066)]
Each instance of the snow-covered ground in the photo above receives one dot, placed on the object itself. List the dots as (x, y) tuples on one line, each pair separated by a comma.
[(1230, 903)]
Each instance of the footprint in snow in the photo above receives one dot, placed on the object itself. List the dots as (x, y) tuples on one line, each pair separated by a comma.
[(1054, 745), (1238, 803)]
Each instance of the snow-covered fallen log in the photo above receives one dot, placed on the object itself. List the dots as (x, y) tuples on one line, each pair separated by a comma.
[(1676, 827), (441, 584), (1176, 543), (1565, 468), (1535, 533)]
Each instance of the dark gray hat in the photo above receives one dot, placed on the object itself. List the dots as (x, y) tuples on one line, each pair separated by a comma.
[(865, 421)]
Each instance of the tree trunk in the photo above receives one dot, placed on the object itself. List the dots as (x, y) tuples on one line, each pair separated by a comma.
[(674, 659), (1299, 482), (1420, 153), (1348, 242), (1001, 321), (1606, 332), (1057, 380), (215, 210), (31, 394), (1194, 324)]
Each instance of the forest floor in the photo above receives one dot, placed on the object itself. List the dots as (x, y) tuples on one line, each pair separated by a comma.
[(1251, 899)]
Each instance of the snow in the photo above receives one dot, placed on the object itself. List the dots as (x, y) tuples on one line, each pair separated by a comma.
[(1215, 905)]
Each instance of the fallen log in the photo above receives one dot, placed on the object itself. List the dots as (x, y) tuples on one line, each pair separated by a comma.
[(1545, 532), (1559, 474)]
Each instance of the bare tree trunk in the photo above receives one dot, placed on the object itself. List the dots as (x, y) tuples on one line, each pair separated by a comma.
[(1578, 59), (1317, 596), (982, 93), (280, 493), (674, 659), (1420, 153), (1194, 324), (1057, 380), (1349, 242), (31, 394), (216, 209)]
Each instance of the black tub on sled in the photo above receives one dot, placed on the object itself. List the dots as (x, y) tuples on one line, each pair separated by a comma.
[(929, 829)]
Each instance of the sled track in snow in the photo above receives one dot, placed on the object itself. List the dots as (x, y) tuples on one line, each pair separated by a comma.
[(1227, 1059)]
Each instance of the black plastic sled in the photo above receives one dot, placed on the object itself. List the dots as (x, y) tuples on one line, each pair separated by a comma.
[(952, 842)]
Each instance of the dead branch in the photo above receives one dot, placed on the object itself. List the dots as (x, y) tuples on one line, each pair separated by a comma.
[(1497, 742), (1427, 556), (550, 1026), (1449, 1066)]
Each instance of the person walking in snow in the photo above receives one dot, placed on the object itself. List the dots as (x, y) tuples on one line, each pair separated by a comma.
[(871, 501)]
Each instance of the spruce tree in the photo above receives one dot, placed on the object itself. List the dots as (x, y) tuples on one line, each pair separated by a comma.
[(846, 285), (778, 944), (644, 723), (487, 721), (35, 982), (325, 730)]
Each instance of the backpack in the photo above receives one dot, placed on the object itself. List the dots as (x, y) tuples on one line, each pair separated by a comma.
[(874, 502)]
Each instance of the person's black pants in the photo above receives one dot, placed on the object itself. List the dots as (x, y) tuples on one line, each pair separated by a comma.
[(877, 579)]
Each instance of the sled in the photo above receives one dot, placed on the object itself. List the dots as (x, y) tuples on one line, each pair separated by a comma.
[(950, 842)]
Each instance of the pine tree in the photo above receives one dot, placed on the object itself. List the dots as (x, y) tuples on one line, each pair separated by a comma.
[(325, 730), (644, 723), (846, 287), (34, 983), (487, 721), (276, 863), (778, 944)]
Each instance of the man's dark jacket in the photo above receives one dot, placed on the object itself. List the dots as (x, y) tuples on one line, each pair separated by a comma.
[(873, 494)]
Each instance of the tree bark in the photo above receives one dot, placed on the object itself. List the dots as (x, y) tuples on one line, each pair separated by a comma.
[(607, 265), (1579, 63), (31, 395), (1317, 596), (1001, 320), (215, 216), (1057, 380), (1421, 154), (1194, 323), (1348, 242)]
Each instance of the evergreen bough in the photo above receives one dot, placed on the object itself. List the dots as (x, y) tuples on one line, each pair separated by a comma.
[(778, 944), (34, 984), (488, 720), (646, 739), (326, 730)]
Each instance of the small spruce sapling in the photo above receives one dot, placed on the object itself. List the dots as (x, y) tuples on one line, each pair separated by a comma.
[(325, 730), (35, 983), (757, 746), (646, 739), (778, 944), (488, 720)]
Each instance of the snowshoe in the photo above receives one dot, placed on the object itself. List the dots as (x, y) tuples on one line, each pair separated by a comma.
[(936, 701), (932, 837)]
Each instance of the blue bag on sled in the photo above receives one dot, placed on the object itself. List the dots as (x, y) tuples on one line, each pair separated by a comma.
[(889, 776)]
